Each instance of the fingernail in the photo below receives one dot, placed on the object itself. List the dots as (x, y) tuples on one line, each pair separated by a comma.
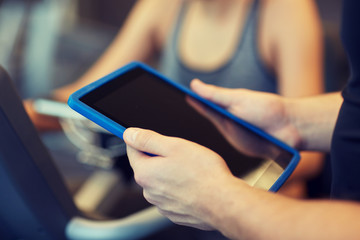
[(131, 134), (196, 81)]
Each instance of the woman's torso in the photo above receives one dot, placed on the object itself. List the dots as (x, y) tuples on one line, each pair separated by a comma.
[(237, 63)]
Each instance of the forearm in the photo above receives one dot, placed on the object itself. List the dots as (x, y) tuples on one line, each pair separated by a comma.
[(134, 42), (314, 118), (116, 55), (249, 213), (218, 200)]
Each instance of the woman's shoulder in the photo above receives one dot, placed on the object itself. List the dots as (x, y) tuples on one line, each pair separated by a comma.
[(156, 16), (158, 8), (289, 19), (290, 13), (165, 13)]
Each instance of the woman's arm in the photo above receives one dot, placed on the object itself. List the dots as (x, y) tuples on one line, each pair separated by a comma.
[(296, 37), (138, 40), (142, 34)]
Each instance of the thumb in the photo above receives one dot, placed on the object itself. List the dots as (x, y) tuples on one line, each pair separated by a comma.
[(146, 141), (218, 95)]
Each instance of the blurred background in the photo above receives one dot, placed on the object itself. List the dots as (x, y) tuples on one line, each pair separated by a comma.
[(45, 44), (48, 43)]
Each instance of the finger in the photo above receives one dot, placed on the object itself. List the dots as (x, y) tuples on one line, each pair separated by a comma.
[(225, 127), (147, 141), (135, 156), (218, 95), (213, 117)]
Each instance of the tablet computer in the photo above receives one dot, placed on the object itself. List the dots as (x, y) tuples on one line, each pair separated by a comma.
[(139, 96)]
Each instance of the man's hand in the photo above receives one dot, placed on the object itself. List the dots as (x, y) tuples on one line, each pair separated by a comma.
[(265, 110), (180, 177)]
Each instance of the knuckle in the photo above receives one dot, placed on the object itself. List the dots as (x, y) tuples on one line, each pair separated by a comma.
[(151, 198), (137, 178), (140, 179), (147, 196), (176, 145), (165, 213), (144, 140)]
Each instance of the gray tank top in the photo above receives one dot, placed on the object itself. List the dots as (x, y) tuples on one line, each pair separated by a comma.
[(245, 69)]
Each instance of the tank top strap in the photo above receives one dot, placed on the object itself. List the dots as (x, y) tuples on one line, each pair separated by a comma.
[(249, 34)]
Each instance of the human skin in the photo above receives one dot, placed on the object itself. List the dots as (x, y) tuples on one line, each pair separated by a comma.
[(192, 186), (290, 46)]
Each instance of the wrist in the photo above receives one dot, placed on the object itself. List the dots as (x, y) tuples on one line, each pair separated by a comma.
[(295, 123), (222, 213), (314, 119)]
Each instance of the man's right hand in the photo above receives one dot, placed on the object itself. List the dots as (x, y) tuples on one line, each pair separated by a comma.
[(265, 110)]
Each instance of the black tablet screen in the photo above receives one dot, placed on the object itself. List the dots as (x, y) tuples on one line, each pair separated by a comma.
[(140, 99)]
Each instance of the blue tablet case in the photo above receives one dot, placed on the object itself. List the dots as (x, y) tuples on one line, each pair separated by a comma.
[(118, 130)]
